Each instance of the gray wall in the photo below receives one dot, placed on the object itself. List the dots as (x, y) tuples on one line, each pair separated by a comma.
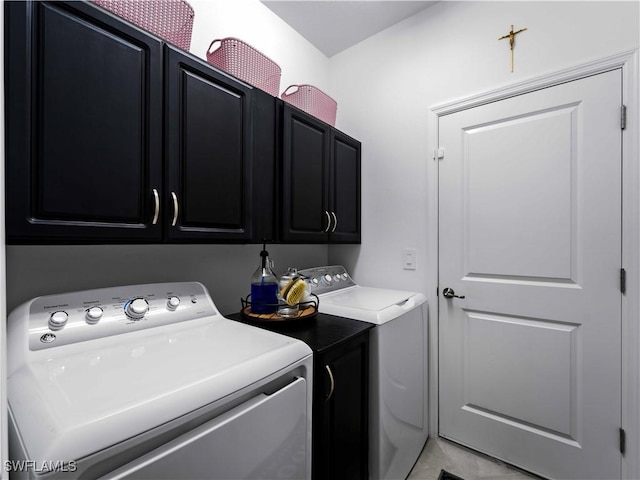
[(224, 269)]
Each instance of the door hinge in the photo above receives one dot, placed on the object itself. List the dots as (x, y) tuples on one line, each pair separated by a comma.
[(623, 117), (623, 441), (438, 154), (623, 281)]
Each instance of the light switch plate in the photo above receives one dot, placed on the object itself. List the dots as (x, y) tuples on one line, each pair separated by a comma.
[(409, 258)]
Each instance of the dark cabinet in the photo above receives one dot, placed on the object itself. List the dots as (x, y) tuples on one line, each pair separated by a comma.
[(344, 187), (320, 181), (211, 145), (83, 125), (340, 423), (113, 136), (340, 391)]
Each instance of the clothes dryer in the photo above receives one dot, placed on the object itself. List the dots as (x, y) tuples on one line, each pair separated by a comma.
[(151, 381)]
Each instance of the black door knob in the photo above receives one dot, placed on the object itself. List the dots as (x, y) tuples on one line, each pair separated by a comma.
[(449, 293)]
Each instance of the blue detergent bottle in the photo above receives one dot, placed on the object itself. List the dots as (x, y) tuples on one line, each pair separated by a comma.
[(264, 286)]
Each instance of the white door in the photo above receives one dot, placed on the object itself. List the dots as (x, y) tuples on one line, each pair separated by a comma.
[(530, 235)]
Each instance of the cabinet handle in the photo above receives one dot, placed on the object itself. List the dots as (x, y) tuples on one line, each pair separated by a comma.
[(156, 208), (333, 383), (335, 222), (328, 221), (175, 209)]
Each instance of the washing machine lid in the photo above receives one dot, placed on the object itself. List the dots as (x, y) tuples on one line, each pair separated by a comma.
[(102, 392), (369, 304)]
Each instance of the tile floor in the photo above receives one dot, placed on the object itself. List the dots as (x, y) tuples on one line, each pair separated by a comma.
[(441, 454)]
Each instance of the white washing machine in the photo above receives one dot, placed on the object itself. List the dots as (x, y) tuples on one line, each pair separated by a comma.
[(150, 381), (398, 405)]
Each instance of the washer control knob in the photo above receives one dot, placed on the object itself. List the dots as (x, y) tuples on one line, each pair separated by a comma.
[(136, 308), (326, 279), (58, 320), (93, 315), (337, 277), (173, 302)]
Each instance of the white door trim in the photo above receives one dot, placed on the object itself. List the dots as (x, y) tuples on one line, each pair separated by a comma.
[(628, 62)]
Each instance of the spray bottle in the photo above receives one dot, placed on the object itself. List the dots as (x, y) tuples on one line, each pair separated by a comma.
[(264, 286)]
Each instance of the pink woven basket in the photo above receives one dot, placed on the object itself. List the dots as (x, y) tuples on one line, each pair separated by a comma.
[(313, 101), (246, 63), (171, 20)]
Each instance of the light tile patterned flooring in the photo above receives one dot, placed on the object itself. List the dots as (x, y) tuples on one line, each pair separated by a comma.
[(440, 454)]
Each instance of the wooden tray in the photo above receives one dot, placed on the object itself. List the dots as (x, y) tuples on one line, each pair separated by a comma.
[(303, 314)]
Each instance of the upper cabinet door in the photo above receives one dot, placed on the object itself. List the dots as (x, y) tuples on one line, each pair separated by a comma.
[(345, 188), (209, 152), (320, 181), (83, 123), (305, 177)]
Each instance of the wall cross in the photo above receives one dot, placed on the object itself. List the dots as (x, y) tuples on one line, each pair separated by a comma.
[(512, 40)]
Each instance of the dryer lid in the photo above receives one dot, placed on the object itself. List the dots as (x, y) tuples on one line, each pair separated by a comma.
[(96, 394), (369, 304)]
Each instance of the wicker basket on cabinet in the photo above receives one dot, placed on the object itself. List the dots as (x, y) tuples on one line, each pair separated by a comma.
[(246, 63), (313, 101), (171, 20)]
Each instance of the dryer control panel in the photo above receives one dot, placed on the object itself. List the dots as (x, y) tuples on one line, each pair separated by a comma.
[(327, 279), (63, 319)]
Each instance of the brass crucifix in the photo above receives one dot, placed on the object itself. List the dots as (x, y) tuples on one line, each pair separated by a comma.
[(512, 40)]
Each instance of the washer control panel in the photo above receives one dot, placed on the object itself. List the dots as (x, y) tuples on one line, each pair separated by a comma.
[(63, 319), (327, 279)]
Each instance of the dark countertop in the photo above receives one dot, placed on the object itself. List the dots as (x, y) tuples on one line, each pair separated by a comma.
[(320, 332)]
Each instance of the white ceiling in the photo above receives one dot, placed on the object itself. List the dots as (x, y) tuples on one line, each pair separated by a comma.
[(335, 25)]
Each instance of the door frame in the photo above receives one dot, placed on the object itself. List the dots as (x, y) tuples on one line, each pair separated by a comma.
[(628, 62)]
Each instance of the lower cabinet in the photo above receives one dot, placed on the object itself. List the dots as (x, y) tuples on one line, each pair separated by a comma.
[(340, 391), (340, 411)]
